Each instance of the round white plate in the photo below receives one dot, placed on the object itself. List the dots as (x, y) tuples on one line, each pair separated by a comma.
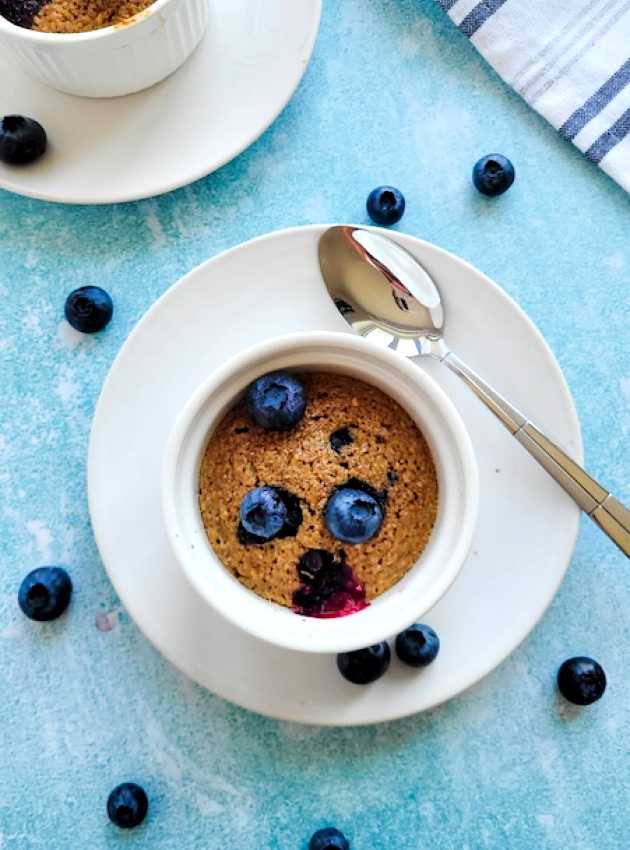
[(220, 101), (527, 525)]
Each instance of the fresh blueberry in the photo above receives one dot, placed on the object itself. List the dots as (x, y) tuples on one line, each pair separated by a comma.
[(353, 515), (276, 401), (127, 805), (45, 593), (89, 309), (364, 665), (493, 174), (22, 140), (581, 680), (329, 839), (385, 205), (263, 513), (418, 645), (293, 517)]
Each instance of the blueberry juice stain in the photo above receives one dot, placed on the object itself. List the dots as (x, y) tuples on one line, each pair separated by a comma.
[(329, 586)]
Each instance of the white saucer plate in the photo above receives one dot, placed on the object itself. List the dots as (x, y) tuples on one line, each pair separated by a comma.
[(527, 526), (218, 103)]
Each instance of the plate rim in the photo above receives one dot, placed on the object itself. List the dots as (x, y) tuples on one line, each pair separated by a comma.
[(493, 661), (307, 53)]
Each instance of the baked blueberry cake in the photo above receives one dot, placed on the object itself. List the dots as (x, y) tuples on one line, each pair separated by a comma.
[(318, 492)]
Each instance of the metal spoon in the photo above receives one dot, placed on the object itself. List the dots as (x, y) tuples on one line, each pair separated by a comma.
[(384, 294)]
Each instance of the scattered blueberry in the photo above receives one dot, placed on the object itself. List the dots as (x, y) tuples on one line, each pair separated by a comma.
[(581, 680), (263, 513), (340, 438), (89, 309), (353, 515), (365, 665), (385, 205), (22, 140), (329, 839), (493, 174), (276, 401), (45, 593), (127, 805), (418, 645)]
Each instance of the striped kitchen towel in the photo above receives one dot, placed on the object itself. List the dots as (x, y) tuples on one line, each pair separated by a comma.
[(569, 59)]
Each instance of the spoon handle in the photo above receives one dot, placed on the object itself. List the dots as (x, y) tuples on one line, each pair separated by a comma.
[(611, 516)]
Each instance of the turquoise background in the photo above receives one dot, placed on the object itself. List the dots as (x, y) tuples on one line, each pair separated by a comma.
[(393, 94)]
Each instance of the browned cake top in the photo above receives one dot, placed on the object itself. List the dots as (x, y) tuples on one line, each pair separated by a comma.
[(387, 452)]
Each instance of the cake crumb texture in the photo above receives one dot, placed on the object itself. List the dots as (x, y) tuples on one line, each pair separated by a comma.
[(387, 451), (74, 16)]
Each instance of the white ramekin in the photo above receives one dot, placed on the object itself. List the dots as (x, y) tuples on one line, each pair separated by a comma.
[(452, 451), (115, 60)]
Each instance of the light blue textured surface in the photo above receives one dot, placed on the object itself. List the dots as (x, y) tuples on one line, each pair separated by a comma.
[(394, 94)]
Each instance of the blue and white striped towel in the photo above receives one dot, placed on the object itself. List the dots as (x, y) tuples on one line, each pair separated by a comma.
[(569, 59)]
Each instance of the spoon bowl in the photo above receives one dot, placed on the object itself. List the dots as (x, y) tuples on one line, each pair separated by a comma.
[(381, 290)]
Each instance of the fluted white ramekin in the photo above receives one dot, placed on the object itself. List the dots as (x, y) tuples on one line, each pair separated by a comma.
[(115, 60), (450, 445)]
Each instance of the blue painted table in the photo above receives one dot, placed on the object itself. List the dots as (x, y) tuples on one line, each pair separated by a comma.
[(393, 94)]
